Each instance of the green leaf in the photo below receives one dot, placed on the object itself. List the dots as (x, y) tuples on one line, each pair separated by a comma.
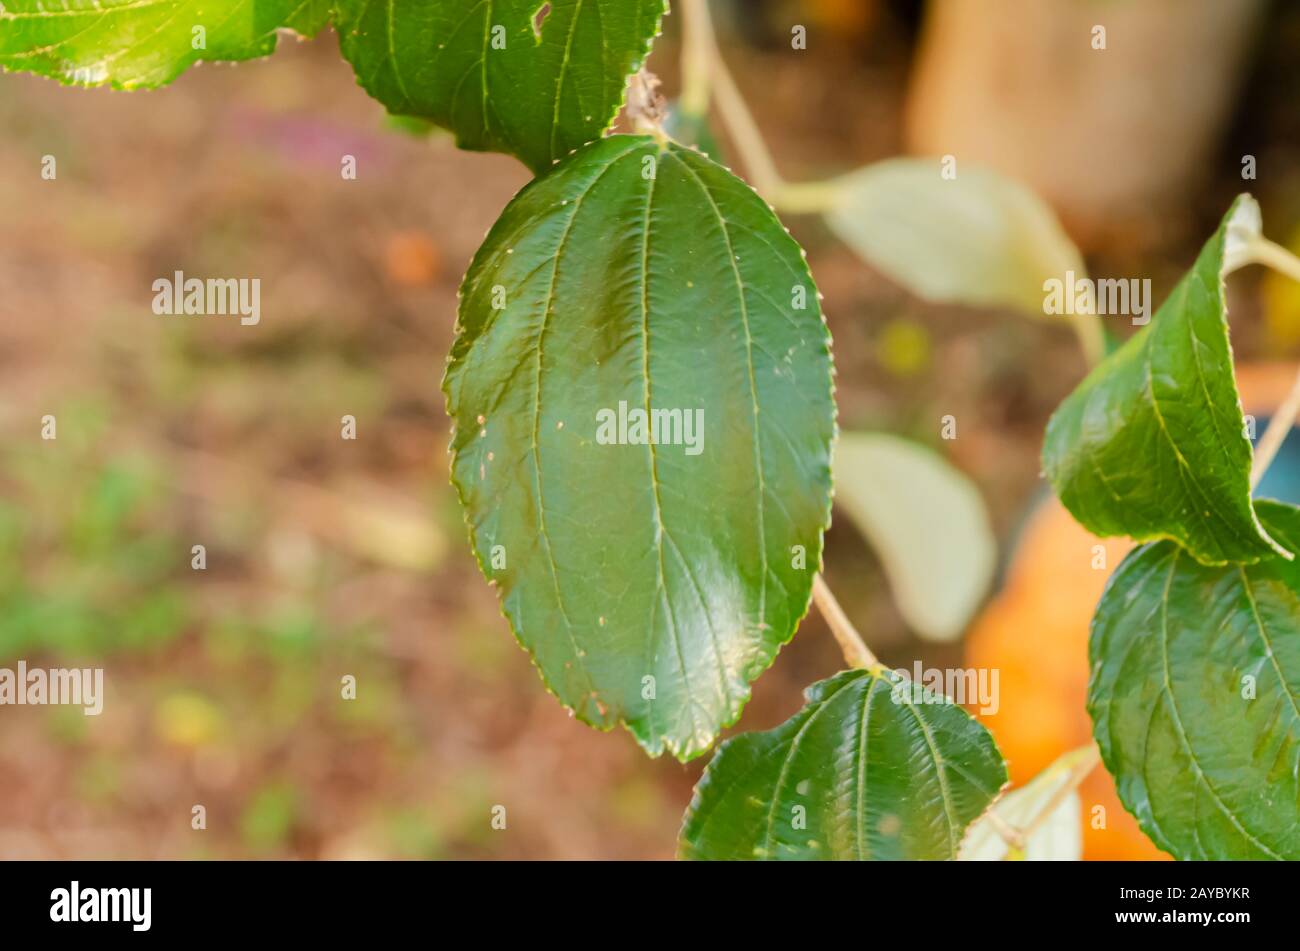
[(977, 239), (132, 44), (651, 583), (927, 523), (1153, 443), (1196, 674), (1060, 836), (872, 767), (482, 69)]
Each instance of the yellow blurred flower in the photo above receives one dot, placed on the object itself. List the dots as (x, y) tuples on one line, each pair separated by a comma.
[(187, 719)]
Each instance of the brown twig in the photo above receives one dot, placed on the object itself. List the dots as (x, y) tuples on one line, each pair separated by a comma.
[(856, 652)]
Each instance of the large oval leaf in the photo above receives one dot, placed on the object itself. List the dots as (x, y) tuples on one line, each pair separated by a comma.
[(652, 581), (1153, 444), (927, 523), (489, 73), (130, 44), (1196, 675), (873, 767)]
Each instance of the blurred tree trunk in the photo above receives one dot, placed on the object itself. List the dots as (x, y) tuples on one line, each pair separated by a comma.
[(1114, 138)]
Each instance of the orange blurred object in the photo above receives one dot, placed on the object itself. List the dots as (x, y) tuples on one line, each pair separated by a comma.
[(411, 259), (1035, 633), (850, 19)]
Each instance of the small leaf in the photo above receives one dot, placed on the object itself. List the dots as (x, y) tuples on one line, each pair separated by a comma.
[(976, 238), (1194, 697), (1153, 444), (132, 44), (651, 581), (927, 523), (1060, 836), (495, 77), (873, 767)]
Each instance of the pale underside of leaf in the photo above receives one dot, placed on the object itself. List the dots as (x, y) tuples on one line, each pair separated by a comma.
[(976, 238), (870, 768), (635, 561), (927, 523), (1058, 838), (1196, 675)]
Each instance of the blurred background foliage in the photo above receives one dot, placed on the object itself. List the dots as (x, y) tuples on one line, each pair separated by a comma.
[(328, 558)]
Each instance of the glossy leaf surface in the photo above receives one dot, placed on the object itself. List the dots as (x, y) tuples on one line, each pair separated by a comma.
[(1153, 443), (499, 75), (872, 767), (1194, 697), (131, 44), (653, 577)]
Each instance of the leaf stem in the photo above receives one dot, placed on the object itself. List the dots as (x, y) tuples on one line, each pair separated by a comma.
[(698, 44), (804, 198), (855, 650), (1091, 340), (1260, 250), (1278, 427), (705, 77), (741, 124)]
